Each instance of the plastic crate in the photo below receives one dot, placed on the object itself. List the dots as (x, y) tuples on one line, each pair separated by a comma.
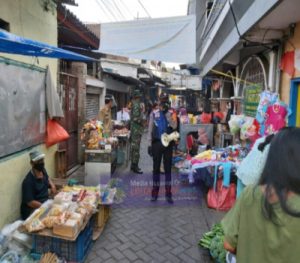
[(72, 251)]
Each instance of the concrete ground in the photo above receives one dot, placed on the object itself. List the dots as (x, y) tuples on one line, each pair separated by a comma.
[(140, 231)]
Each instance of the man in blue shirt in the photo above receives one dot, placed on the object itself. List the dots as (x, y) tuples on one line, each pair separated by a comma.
[(35, 186), (161, 121)]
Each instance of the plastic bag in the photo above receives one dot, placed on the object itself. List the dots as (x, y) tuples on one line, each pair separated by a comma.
[(235, 123), (222, 198), (55, 133)]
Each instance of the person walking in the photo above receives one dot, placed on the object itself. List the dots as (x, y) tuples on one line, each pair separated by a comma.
[(136, 131), (264, 224), (161, 121)]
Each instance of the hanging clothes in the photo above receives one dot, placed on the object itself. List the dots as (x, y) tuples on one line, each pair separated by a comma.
[(276, 115), (266, 99)]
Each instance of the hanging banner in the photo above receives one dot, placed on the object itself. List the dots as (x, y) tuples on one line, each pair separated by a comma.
[(251, 100), (171, 39)]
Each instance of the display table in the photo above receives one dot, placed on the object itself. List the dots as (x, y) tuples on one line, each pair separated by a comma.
[(99, 165), (185, 129), (73, 250)]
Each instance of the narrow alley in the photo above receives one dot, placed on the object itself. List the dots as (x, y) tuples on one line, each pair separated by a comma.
[(140, 231)]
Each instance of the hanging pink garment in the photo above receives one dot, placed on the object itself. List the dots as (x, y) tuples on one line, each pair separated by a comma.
[(276, 115)]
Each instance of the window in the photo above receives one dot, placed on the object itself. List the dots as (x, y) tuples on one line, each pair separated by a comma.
[(4, 25)]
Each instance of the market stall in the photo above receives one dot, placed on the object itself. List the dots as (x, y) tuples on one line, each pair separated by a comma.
[(264, 115), (69, 223), (103, 153)]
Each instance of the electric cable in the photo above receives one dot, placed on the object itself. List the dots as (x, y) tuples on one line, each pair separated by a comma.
[(238, 31), (121, 14), (126, 8), (113, 9), (141, 4), (103, 10), (108, 9)]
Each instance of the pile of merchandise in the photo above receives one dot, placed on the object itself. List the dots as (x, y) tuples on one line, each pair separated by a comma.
[(66, 215), (92, 136), (232, 154)]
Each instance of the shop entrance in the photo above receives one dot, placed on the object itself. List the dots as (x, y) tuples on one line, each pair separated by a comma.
[(69, 97), (294, 118)]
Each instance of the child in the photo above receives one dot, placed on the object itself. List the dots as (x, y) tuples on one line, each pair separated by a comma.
[(264, 224)]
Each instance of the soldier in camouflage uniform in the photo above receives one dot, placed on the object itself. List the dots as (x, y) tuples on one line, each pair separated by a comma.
[(136, 131)]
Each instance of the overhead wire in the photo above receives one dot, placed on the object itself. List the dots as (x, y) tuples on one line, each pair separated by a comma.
[(238, 30), (141, 4), (113, 9), (126, 8), (118, 9), (104, 10), (108, 9)]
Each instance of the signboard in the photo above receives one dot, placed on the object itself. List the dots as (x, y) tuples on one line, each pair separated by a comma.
[(251, 100)]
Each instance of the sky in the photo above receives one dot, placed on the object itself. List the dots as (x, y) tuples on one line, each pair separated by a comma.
[(103, 11)]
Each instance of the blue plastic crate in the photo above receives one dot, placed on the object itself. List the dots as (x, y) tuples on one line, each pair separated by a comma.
[(72, 251)]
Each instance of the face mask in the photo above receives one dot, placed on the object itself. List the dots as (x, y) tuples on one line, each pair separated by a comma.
[(39, 166), (165, 107)]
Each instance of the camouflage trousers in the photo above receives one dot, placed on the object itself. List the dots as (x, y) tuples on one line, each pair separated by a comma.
[(135, 141)]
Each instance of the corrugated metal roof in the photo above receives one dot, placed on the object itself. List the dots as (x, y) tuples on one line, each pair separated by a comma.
[(65, 18)]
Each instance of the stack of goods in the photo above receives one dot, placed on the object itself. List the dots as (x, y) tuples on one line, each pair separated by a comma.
[(92, 136), (214, 242), (66, 214)]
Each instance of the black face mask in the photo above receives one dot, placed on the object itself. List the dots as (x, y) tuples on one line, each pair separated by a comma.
[(165, 107), (39, 166)]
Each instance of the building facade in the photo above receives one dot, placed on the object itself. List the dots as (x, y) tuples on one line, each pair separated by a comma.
[(242, 43), (31, 19)]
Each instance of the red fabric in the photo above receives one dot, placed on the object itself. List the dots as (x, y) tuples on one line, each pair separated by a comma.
[(288, 63), (223, 198), (55, 133), (189, 142), (205, 118)]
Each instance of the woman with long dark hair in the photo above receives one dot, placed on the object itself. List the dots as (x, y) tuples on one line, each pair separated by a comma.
[(264, 224)]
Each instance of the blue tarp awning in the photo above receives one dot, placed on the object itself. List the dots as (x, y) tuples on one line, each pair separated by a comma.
[(13, 44)]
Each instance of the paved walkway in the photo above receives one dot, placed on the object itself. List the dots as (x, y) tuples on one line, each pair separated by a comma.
[(139, 231)]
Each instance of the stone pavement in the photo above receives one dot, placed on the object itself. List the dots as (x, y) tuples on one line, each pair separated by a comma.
[(154, 232)]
